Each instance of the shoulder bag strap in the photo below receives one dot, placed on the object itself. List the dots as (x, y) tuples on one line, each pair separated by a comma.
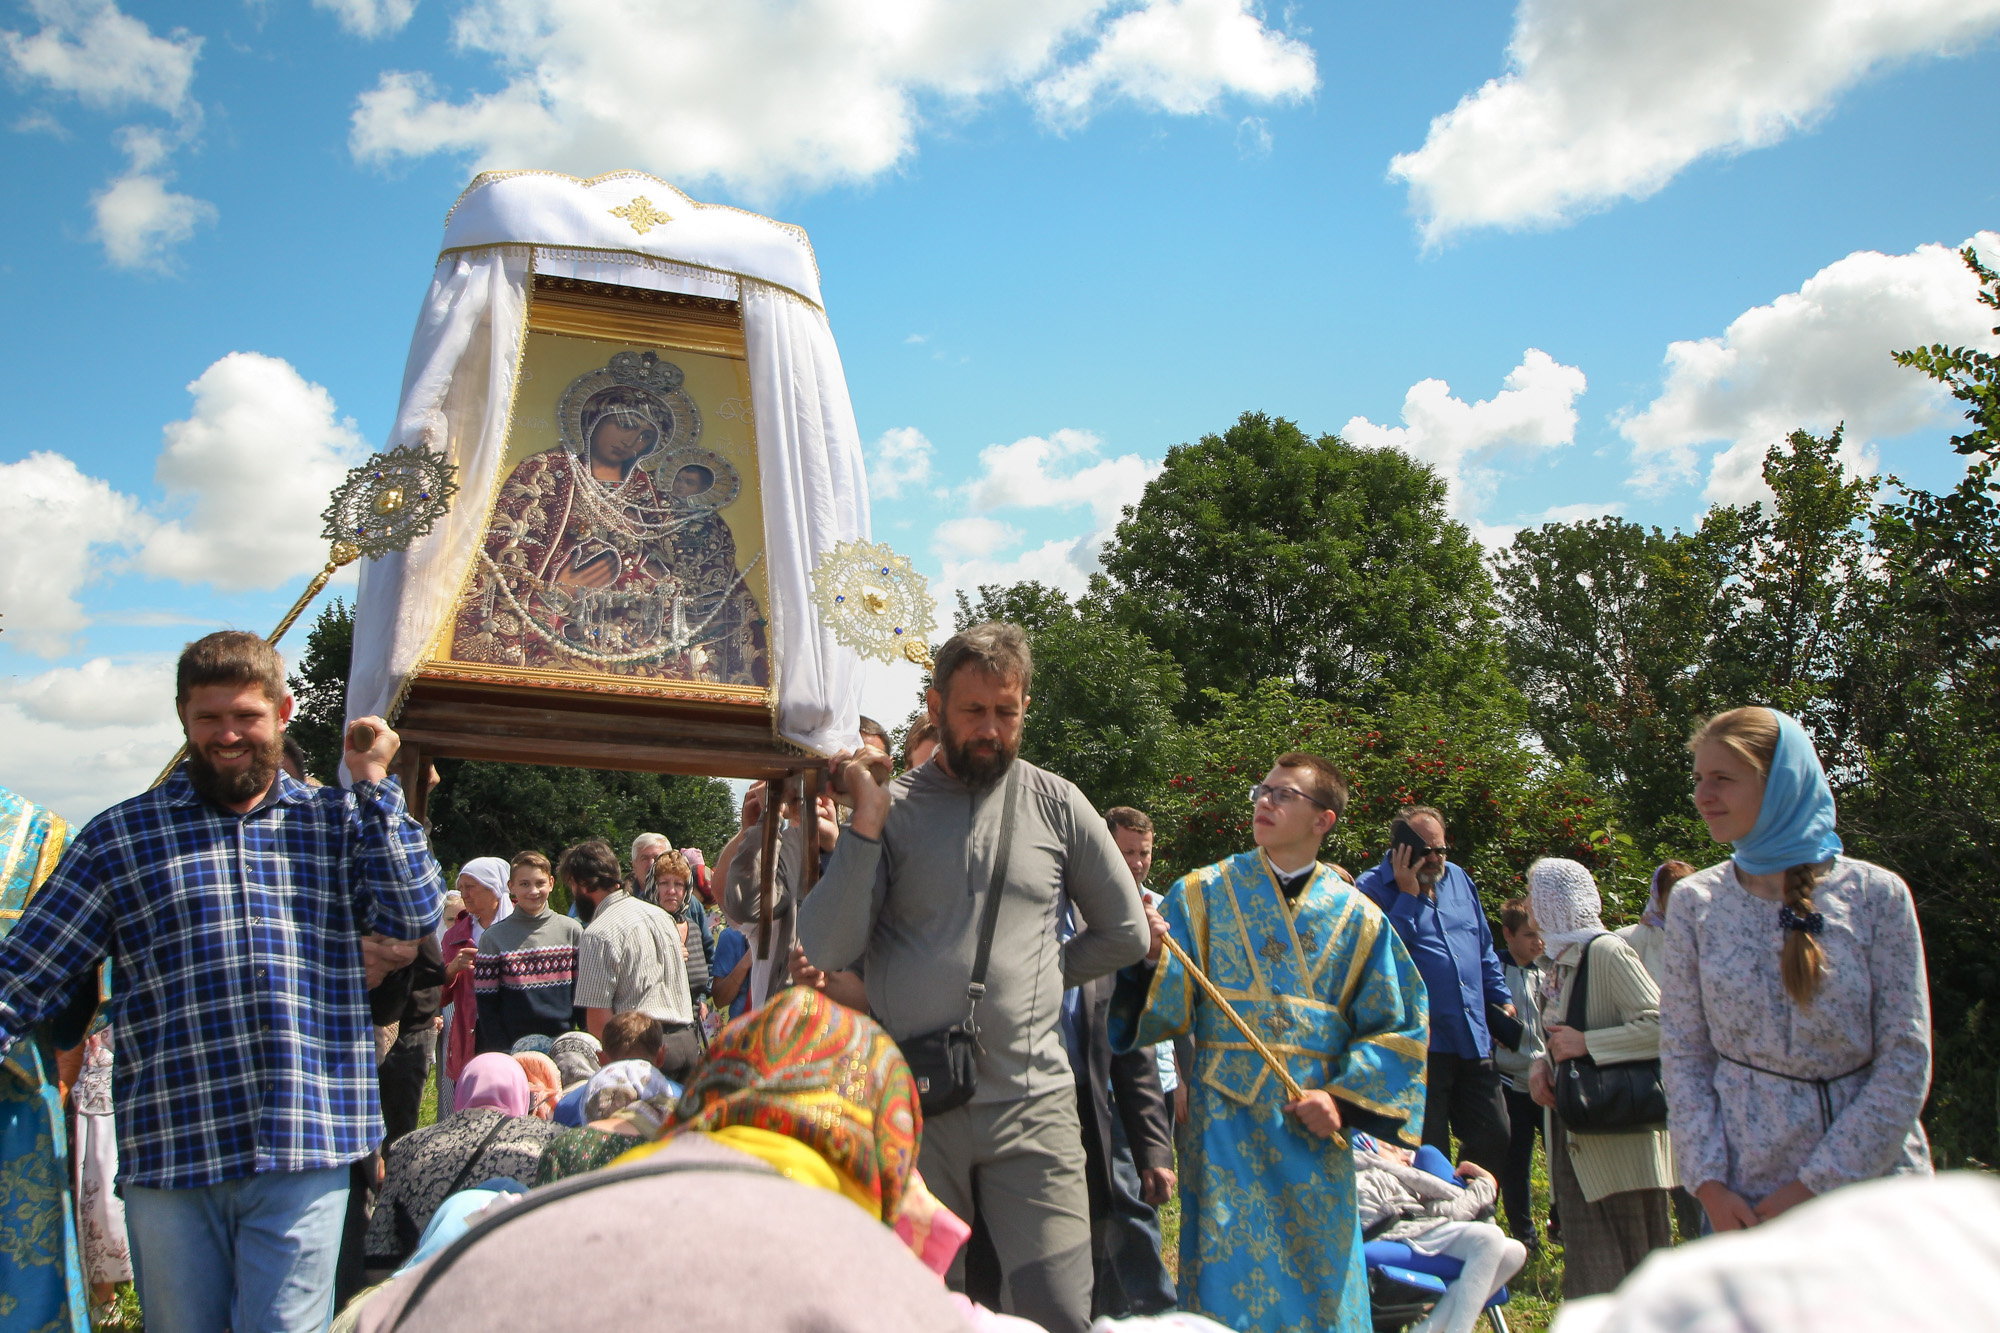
[(977, 988), (465, 1172), (1579, 991)]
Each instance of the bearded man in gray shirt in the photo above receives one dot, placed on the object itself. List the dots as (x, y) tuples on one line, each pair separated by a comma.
[(905, 889)]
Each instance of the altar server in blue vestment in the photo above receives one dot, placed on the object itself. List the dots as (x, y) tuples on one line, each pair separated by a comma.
[(41, 1274), (1269, 1238)]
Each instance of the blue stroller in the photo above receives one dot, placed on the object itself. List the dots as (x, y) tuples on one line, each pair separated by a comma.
[(1403, 1284)]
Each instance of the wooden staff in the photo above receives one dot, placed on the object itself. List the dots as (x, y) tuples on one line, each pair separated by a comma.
[(1242, 1025)]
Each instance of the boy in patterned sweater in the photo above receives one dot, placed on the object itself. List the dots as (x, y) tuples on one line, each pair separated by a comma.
[(525, 975)]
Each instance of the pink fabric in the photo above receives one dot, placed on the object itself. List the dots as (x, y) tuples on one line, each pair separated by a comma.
[(934, 1233), (493, 1080), (460, 1043)]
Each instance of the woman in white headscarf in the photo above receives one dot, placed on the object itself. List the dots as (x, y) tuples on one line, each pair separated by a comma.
[(482, 883), (1610, 1189)]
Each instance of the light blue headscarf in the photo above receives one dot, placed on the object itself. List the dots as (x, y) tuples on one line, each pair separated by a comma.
[(1795, 827)]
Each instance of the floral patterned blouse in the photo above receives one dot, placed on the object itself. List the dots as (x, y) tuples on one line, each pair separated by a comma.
[(1762, 1091)]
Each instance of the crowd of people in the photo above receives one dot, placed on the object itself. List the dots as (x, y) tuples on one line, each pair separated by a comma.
[(946, 1078)]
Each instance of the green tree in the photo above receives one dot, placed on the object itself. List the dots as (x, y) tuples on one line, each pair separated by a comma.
[(1264, 554), (1804, 573), (491, 809), (319, 687), (1103, 698), (1505, 803), (1607, 626), (495, 809), (1918, 703)]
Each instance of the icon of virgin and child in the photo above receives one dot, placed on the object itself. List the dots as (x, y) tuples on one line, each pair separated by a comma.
[(606, 553)]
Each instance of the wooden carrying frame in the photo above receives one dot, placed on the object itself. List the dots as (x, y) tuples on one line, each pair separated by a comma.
[(463, 710)]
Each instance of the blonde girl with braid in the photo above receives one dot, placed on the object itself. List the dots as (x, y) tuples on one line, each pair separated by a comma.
[(1794, 1011)]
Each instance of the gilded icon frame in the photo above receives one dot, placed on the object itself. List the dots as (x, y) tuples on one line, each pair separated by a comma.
[(683, 359)]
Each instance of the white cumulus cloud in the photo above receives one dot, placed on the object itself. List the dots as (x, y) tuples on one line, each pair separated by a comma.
[(106, 59), (81, 738), (1534, 412), (1811, 359), (100, 693), (1064, 470), (53, 519), (900, 461), (247, 475), (1610, 99), (1059, 471), (765, 95), (370, 18), (1182, 56), (972, 538), (139, 219)]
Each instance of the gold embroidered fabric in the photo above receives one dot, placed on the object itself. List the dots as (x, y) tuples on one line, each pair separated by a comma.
[(1269, 1242)]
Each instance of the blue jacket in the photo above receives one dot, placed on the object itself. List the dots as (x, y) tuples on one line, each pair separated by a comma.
[(1452, 945)]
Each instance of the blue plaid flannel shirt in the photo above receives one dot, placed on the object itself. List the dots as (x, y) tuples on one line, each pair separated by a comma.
[(244, 1038)]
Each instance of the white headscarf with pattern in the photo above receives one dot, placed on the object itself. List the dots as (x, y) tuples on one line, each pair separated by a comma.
[(1566, 905)]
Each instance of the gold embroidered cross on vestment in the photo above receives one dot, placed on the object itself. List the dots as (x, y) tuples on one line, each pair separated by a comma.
[(641, 214)]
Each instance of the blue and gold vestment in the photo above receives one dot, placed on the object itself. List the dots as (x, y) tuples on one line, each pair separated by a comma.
[(1269, 1237), (41, 1276)]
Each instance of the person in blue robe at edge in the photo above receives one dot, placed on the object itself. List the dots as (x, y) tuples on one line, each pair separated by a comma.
[(1270, 1241), (41, 1268)]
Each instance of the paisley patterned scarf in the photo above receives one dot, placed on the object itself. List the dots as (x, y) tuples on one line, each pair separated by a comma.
[(815, 1071)]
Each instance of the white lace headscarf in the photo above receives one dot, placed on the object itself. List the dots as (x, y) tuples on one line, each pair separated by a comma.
[(1566, 904)]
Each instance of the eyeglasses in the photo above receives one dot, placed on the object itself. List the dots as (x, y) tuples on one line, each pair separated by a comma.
[(1282, 795)]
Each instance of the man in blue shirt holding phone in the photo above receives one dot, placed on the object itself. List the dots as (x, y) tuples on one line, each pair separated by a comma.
[(1435, 908)]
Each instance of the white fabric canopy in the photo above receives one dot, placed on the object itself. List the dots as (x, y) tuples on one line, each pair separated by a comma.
[(458, 393)]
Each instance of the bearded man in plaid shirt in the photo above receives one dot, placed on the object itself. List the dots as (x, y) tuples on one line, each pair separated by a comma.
[(231, 901)]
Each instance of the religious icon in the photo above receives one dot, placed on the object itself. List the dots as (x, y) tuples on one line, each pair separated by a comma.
[(610, 549)]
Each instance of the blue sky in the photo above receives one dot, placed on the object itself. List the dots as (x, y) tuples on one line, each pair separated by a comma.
[(1058, 237)]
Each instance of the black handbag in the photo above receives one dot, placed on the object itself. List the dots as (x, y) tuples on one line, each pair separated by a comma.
[(945, 1061), (1591, 1098)]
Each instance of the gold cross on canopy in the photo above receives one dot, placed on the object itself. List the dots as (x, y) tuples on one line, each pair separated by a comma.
[(641, 214)]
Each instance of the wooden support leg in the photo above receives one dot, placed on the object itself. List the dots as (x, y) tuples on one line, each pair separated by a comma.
[(413, 769), (773, 798), (809, 868)]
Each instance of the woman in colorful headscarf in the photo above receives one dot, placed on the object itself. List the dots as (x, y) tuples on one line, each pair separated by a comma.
[(482, 886), (1648, 935), (1609, 1189), (598, 1141), (811, 1087), (544, 1083), (493, 1132), (1796, 1015)]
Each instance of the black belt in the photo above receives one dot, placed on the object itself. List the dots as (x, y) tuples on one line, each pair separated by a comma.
[(1823, 1086)]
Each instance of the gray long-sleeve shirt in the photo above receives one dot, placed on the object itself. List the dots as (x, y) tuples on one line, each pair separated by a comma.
[(910, 904)]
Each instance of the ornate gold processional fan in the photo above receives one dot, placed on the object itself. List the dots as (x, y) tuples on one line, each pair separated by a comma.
[(381, 506)]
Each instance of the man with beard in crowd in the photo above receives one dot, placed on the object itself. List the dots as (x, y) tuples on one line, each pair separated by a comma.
[(906, 886), (229, 900)]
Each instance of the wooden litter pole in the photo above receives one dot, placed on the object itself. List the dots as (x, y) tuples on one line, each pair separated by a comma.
[(809, 825), (1242, 1025), (774, 794)]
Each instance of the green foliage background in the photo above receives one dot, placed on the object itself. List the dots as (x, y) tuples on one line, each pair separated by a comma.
[(1272, 590)]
